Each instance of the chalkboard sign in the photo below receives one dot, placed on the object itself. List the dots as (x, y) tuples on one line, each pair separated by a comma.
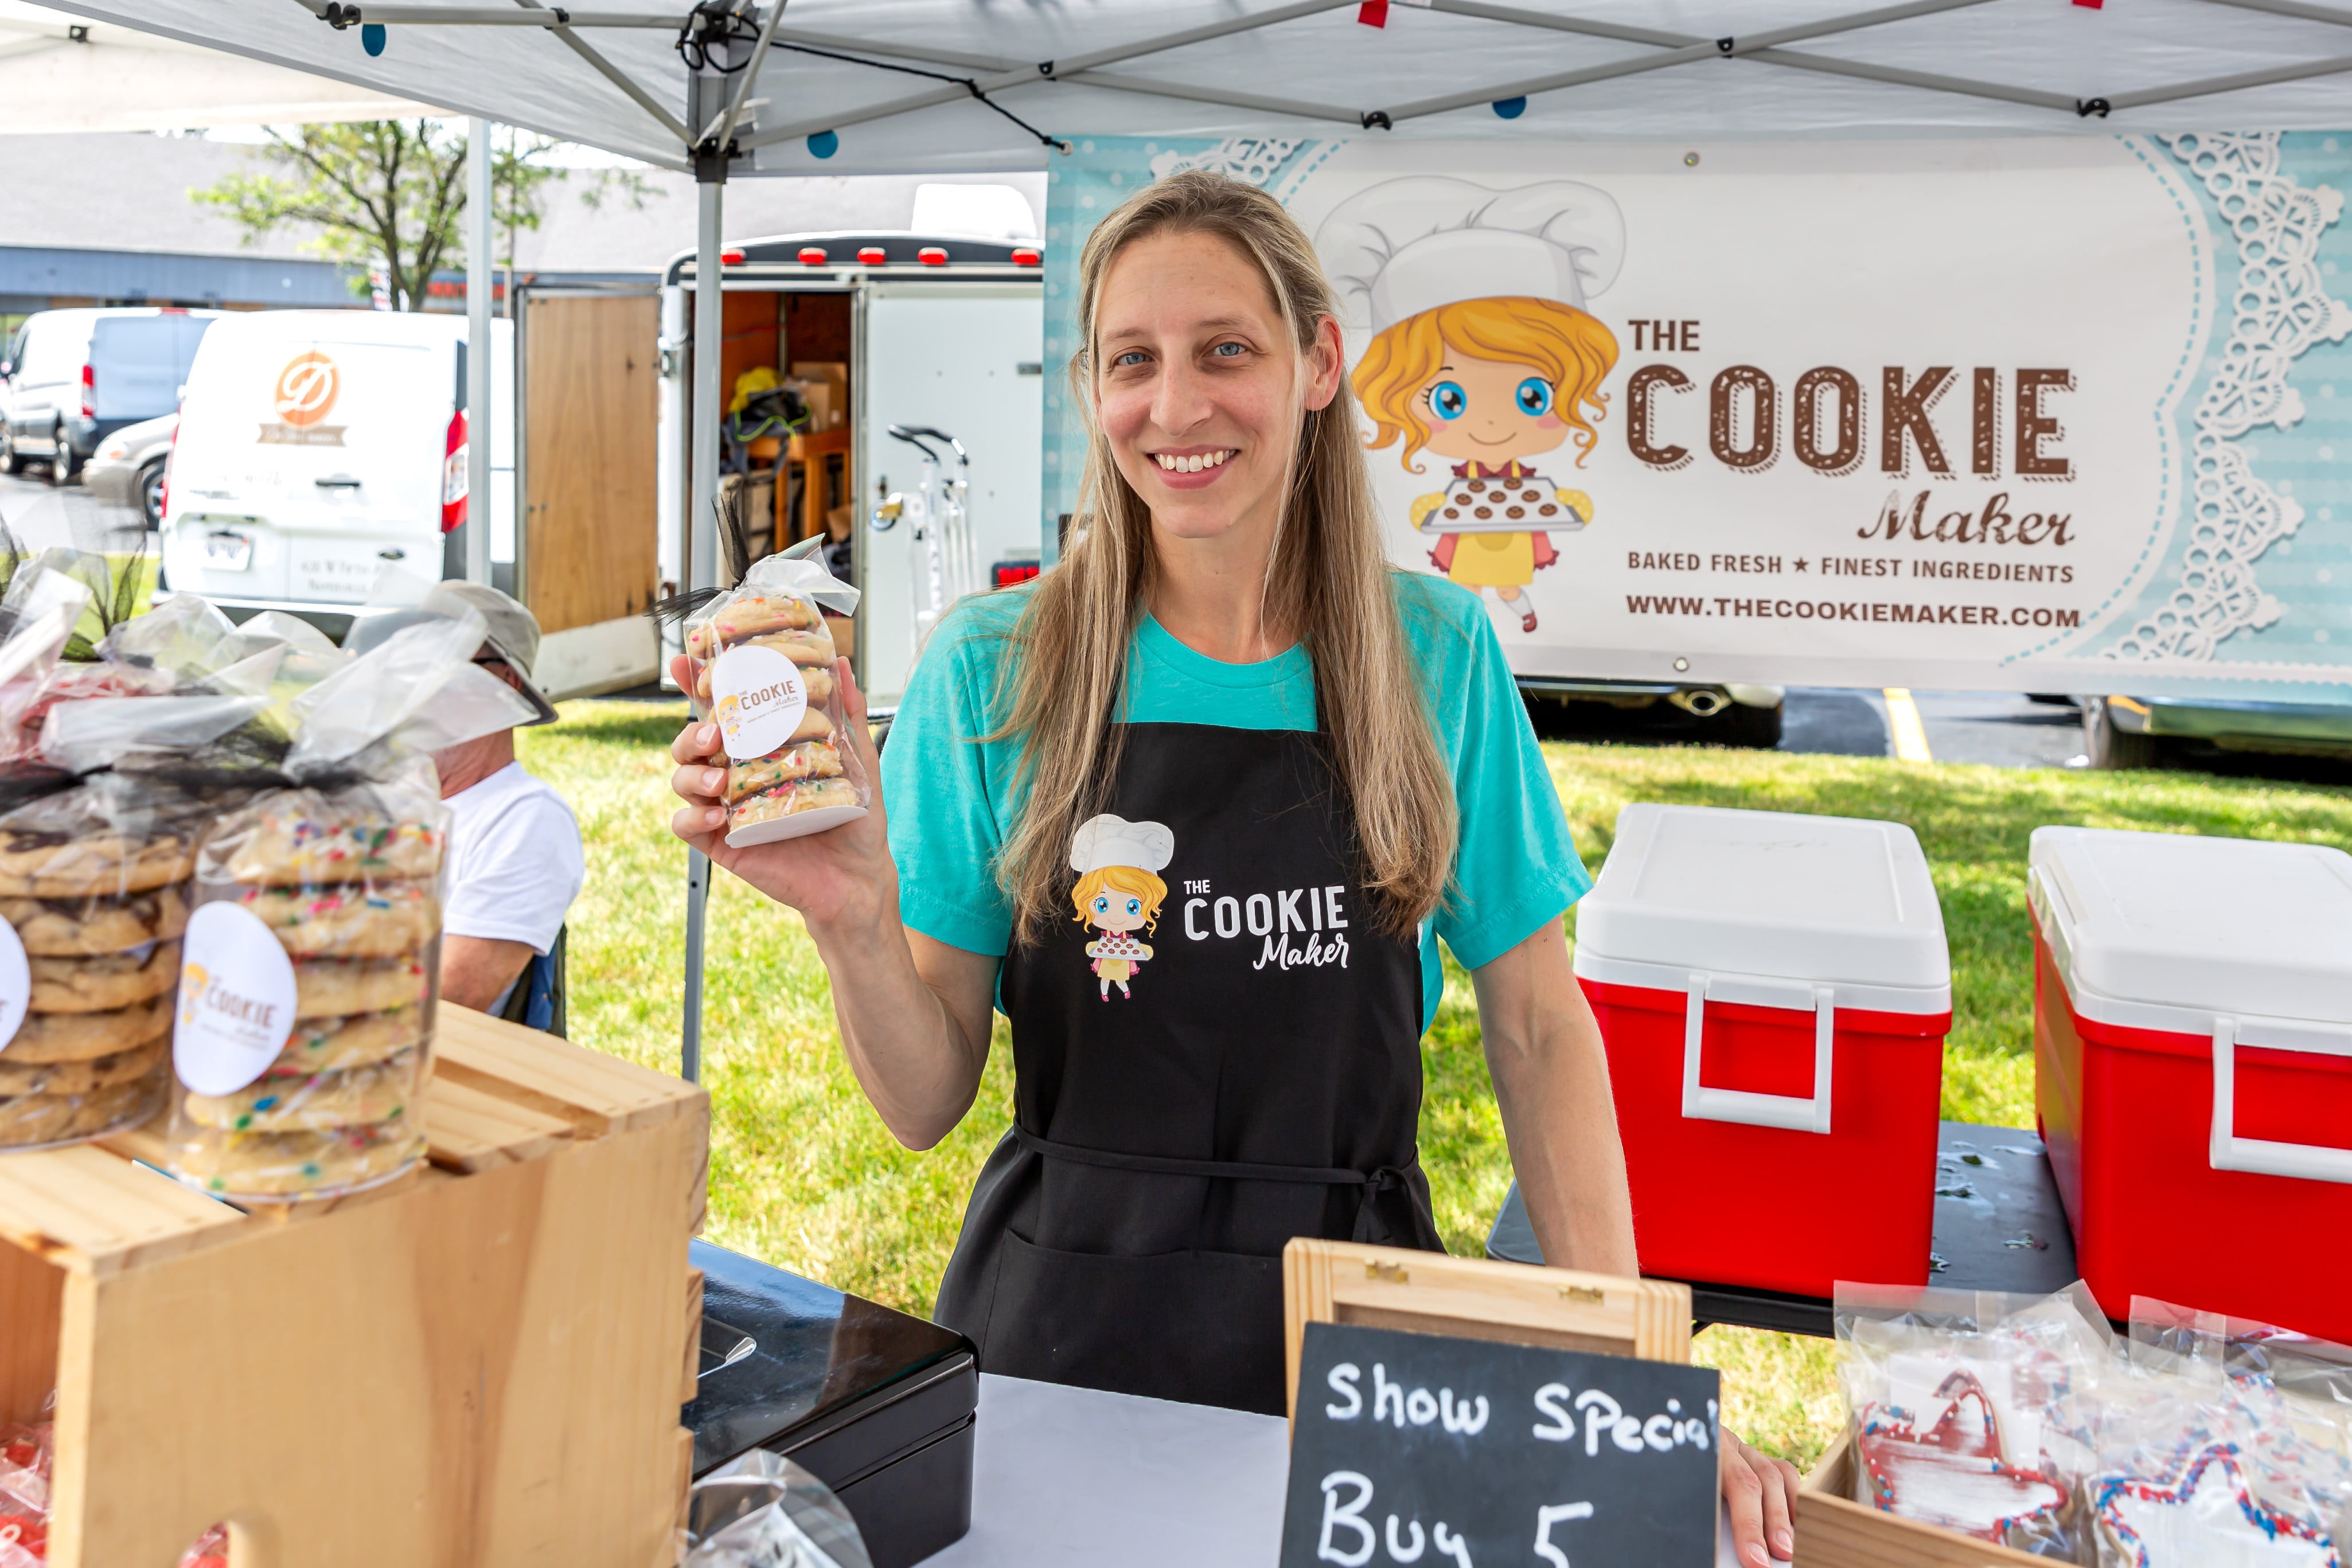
[(1470, 1454)]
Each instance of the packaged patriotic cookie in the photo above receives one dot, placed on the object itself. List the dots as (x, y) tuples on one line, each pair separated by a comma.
[(310, 964), (1974, 1412), (763, 666)]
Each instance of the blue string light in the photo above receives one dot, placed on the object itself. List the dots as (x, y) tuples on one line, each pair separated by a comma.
[(824, 145), (372, 37), (1511, 108)]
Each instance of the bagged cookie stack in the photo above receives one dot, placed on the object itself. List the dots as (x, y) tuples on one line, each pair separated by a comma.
[(92, 894), (345, 882), (763, 666), (92, 886), (303, 1039)]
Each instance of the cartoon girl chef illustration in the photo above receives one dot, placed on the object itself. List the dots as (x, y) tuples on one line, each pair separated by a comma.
[(1118, 891), (1482, 351)]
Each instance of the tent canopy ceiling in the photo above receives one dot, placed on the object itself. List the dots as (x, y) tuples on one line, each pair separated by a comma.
[(113, 79), (979, 86)]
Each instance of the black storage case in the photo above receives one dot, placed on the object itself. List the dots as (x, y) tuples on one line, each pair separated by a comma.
[(878, 1405)]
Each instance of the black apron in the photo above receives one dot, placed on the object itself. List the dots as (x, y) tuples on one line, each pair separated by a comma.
[(1256, 1078)]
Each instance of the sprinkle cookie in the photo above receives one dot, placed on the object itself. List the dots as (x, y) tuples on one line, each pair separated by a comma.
[(807, 795), (333, 987), (381, 919), (331, 1045), (300, 840), (296, 1164), (316, 1102)]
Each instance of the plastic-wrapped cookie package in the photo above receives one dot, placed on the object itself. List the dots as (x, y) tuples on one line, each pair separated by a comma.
[(763, 666), (93, 868), (1976, 1412), (310, 970)]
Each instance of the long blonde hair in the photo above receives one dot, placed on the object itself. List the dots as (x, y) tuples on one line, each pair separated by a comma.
[(1329, 584)]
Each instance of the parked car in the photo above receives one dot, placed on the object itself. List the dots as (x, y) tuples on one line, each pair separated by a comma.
[(127, 469), (316, 445), (68, 379), (2123, 732)]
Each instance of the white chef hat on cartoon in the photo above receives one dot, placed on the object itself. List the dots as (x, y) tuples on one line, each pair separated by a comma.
[(1413, 244), (1108, 840)]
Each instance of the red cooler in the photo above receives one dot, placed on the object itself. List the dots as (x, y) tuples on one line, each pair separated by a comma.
[(1774, 990), (2192, 1041)]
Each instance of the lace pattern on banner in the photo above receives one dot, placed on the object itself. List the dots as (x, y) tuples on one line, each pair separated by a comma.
[(2281, 308), (1254, 159)]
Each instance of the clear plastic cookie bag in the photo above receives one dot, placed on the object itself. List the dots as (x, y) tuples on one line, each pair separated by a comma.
[(311, 965), (2223, 1440), (1973, 1410), (762, 1511), (97, 841), (762, 664)]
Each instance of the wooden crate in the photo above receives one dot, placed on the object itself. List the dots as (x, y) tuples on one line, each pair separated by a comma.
[(478, 1366), (1835, 1531), (1477, 1299)]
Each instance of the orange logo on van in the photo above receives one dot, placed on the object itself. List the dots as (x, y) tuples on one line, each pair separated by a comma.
[(307, 388)]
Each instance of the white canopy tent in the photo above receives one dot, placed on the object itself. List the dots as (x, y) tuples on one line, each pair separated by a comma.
[(726, 87), (61, 74)]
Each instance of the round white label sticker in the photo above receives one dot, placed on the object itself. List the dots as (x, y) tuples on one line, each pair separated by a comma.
[(757, 696), (16, 983), (236, 1000)]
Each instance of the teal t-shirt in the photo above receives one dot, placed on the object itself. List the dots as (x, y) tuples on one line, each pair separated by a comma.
[(950, 796)]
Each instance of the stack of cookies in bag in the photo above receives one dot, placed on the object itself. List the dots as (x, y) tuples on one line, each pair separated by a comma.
[(94, 891), (323, 902), (763, 666)]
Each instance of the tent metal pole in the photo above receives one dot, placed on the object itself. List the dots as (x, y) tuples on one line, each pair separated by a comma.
[(702, 536), (1732, 47), (2212, 84), (485, 17), (726, 126), (611, 72), (1895, 76), (1295, 108), (1046, 71), (2292, 8), (481, 275)]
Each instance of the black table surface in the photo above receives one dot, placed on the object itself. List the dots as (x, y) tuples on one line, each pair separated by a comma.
[(1999, 1226)]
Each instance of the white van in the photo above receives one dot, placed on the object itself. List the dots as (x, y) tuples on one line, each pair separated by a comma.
[(315, 446), (68, 379)]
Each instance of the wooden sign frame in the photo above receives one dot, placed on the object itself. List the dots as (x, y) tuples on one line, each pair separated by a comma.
[(1476, 1298)]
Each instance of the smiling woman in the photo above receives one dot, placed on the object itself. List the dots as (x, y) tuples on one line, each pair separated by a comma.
[(1195, 808)]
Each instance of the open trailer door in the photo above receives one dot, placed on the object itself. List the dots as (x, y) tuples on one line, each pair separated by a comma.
[(586, 560)]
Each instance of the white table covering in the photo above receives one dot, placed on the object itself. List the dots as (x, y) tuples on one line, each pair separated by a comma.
[(1075, 1478)]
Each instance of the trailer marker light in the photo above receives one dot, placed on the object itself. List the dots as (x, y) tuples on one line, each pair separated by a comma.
[(872, 254), (89, 391), (1025, 256), (812, 256), (730, 258), (931, 256), (453, 472)]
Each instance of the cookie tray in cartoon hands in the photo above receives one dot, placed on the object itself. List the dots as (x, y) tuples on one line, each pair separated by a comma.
[(1502, 506)]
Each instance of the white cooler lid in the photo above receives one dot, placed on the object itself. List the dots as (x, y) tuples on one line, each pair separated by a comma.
[(2219, 926), (1837, 900)]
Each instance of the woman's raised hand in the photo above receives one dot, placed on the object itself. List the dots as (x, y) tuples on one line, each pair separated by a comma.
[(842, 875)]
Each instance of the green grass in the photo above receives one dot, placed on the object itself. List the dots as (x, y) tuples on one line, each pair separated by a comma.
[(803, 1173)]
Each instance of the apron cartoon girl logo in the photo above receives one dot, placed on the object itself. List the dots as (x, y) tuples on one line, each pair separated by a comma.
[(1482, 350), (1118, 891)]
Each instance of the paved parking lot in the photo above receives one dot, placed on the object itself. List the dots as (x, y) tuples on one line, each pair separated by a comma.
[(40, 515)]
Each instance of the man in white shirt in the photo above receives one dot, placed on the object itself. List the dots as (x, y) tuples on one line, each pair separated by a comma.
[(515, 861)]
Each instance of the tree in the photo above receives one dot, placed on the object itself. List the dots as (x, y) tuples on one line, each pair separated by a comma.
[(387, 193)]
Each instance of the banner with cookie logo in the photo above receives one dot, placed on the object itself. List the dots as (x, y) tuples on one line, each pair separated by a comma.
[(2029, 414)]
